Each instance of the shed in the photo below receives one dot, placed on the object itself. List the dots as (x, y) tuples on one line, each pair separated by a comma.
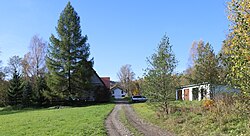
[(202, 91)]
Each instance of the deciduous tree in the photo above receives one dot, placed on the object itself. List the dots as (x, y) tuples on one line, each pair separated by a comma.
[(205, 63), (34, 69), (14, 65), (34, 61), (238, 45), (126, 76)]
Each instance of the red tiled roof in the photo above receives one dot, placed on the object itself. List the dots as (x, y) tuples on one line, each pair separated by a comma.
[(106, 81)]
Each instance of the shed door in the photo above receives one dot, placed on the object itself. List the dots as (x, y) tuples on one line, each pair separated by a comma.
[(179, 94), (186, 94)]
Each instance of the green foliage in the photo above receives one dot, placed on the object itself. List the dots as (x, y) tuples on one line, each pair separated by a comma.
[(3, 92), (159, 82), (238, 45), (85, 121), (205, 67), (15, 91), (228, 115), (27, 94), (3, 87), (67, 58), (39, 89)]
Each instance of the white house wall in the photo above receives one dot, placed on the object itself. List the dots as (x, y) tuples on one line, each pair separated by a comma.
[(118, 93), (205, 87), (208, 88)]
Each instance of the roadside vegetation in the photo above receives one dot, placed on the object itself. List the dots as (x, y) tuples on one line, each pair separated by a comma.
[(224, 116), (63, 121)]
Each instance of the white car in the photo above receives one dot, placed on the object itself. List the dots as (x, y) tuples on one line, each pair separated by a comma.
[(138, 98)]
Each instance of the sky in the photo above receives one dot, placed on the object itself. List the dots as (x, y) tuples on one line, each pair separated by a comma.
[(119, 31)]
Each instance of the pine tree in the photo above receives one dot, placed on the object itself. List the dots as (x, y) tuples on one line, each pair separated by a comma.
[(15, 91), (40, 87), (67, 58), (159, 80), (27, 94)]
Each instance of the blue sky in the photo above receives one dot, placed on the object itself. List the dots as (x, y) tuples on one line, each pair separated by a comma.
[(120, 31)]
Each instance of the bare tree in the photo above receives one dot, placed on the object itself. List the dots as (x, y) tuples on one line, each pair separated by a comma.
[(26, 65), (34, 61), (126, 76), (14, 65)]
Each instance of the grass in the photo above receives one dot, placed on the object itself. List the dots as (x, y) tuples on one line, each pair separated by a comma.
[(126, 123), (148, 113), (66, 121), (191, 118)]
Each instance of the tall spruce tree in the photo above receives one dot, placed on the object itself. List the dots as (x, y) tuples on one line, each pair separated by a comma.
[(67, 59), (15, 91), (27, 94), (159, 81)]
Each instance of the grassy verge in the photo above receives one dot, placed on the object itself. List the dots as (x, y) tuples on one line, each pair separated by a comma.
[(191, 118), (126, 123), (66, 121), (148, 113)]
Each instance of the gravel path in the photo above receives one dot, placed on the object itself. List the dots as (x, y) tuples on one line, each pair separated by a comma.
[(113, 125), (116, 128)]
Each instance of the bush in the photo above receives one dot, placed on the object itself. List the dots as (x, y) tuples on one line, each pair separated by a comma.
[(207, 103), (225, 115)]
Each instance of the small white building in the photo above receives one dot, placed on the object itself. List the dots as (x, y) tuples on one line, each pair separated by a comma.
[(202, 91), (118, 93)]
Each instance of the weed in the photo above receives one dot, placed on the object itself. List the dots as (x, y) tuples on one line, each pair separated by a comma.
[(225, 115)]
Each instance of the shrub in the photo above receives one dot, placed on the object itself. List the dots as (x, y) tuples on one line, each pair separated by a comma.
[(208, 103)]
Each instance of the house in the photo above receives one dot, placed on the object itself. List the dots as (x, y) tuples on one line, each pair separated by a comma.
[(202, 91), (100, 91), (117, 92), (106, 81), (113, 83)]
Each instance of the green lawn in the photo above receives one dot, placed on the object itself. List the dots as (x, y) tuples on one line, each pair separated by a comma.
[(66, 121)]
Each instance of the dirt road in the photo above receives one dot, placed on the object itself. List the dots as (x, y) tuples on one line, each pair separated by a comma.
[(114, 125), (116, 128)]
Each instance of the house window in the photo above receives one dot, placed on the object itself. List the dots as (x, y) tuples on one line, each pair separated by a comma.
[(179, 94)]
